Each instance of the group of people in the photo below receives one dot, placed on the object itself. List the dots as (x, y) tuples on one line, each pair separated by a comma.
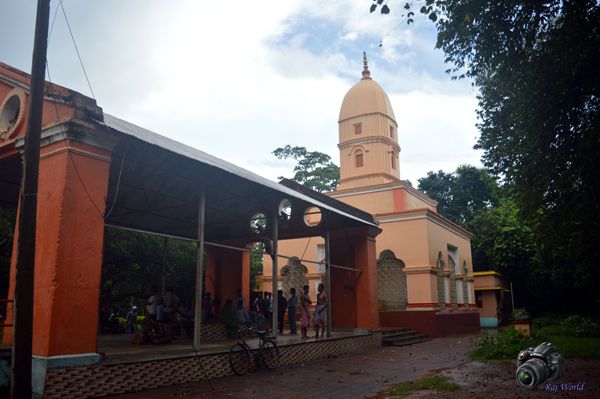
[(166, 312), (263, 305)]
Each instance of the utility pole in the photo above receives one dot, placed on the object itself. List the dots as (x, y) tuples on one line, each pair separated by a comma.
[(23, 306)]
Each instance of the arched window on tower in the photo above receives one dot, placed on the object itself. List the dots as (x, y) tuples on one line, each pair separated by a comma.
[(393, 158), (358, 159), (392, 131)]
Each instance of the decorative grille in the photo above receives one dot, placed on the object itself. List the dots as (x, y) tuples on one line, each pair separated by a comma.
[(294, 275), (391, 282)]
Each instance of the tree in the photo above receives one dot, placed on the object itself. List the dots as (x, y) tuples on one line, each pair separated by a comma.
[(535, 66), (133, 264), (313, 169), (461, 194), (256, 264)]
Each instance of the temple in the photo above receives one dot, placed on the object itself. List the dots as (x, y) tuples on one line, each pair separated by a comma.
[(424, 267)]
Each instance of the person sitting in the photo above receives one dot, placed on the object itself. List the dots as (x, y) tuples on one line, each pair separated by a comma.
[(171, 303), (227, 317), (152, 308), (185, 320)]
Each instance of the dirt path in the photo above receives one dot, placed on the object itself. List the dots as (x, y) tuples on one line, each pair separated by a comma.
[(345, 377)]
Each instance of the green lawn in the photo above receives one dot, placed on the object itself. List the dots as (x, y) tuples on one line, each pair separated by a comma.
[(436, 382), (575, 346), (507, 344)]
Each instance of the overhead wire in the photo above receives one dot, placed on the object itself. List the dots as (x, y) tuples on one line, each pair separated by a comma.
[(76, 48), (69, 151)]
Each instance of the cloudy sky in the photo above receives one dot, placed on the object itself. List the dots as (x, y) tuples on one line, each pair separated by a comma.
[(238, 79)]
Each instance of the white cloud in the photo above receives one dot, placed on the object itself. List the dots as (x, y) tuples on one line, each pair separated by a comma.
[(237, 79)]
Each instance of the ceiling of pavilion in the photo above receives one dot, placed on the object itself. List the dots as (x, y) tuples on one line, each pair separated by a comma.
[(155, 184)]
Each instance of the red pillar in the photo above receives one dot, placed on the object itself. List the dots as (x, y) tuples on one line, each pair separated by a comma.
[(245, 281), (69, 241), (367, 307)]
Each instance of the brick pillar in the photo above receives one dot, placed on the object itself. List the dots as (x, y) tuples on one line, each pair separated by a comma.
[(69, 241), (228, 268), (367, 308), (245, 281)]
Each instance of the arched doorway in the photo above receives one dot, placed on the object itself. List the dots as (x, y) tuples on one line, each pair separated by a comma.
[(391, 282)]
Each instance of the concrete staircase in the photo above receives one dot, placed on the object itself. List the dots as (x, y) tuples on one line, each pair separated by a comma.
[(402, 337)]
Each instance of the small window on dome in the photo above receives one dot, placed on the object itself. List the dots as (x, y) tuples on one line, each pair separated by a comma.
[(358, 158), (393, 157), (357, 128), (391, 131)]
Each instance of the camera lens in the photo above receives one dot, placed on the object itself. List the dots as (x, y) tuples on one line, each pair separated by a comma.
[(532, 373), (524, 377)]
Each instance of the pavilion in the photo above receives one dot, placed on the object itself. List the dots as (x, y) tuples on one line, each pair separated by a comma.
[(97, 170)]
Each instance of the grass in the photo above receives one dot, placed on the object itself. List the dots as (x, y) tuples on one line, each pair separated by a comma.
[(436, 382), (503, 346), (587, 347), (506, 345)]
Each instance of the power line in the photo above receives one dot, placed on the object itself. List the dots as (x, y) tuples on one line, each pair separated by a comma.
[(69, 150), (76, 49)]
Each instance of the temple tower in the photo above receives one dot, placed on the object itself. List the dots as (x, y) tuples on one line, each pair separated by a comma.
[(368, 136)]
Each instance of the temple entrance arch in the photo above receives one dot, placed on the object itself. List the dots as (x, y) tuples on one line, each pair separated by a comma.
[(293, 275), (391, 282)]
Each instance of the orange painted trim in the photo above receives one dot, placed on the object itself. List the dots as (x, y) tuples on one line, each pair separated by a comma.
[(347, 179), (403, 212)]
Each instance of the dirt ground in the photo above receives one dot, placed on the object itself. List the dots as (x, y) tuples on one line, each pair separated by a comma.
[(492, 381)]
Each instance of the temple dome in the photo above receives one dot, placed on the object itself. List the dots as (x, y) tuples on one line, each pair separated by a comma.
[(366, 97)]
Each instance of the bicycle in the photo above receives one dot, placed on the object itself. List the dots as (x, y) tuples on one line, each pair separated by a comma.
[(267, 352)]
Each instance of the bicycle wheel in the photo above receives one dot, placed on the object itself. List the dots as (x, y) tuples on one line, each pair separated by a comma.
[(270, 355), (239, 359)]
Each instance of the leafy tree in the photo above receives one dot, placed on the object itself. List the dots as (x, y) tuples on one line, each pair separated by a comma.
[(256, 264), (462, 194), (535, 66), (313, 169), (133, 264)]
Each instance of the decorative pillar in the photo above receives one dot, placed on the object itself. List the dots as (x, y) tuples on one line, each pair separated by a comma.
[(367, 315)]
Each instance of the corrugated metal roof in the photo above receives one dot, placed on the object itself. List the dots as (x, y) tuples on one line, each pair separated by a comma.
[(176, 147)]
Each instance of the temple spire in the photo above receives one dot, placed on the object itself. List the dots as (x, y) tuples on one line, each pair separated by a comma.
[(365, 72)]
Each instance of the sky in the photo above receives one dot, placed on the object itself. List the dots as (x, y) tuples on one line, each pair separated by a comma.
[(238, 79)]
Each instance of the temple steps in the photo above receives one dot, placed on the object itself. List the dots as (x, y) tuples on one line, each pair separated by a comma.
[(402, 337)]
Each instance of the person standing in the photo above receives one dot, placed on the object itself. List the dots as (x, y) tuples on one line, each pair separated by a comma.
[(281, 309), (292, 303), (305, 302), (321, 311), (131, 319), (270, 308)]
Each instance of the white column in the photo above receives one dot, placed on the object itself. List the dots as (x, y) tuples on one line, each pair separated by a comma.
[(328, 281), (274, 255), (199, 271)]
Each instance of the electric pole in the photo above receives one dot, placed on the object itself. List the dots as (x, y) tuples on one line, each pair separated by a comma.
[(23, 305)]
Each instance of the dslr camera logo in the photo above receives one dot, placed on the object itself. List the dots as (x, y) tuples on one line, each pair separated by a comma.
[(539, 364)]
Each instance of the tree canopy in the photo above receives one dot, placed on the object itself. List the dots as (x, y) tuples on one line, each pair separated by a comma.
[(535, 66), (313, 169), (461, 194)]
